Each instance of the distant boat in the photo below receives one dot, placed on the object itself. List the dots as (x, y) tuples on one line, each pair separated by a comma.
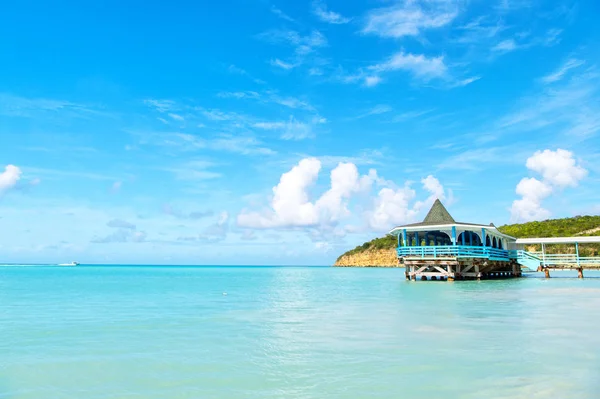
[(69, 264)]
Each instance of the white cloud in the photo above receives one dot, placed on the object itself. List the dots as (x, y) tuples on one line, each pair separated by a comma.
[(160, 105), (42, 108), (410, 17), (282, 64), (529, 207), (270, 125), (291, 206), (239, 71), (268, 96), (315, 71), (324, 246), (480, 30), (465, 82), (239, 94), (296, 130), (9, 178), (293, 129), (291, 102), (345, 181), (505, 46), (393, 205), (371, 81), (568, 107), (281, 14), (376, 110), (176, 117), (562, 71), (558, 169), (303, 44), (423, 67), (320, 10)]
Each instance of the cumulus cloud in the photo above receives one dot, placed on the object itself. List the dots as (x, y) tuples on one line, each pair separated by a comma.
[(559, 170), (9, 178), (394, 206), (291, 205), (529, 207)]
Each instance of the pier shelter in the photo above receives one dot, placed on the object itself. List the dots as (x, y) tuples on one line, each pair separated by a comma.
[(440, 248)]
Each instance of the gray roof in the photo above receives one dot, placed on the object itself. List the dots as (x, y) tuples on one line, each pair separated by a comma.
[(438, 215)]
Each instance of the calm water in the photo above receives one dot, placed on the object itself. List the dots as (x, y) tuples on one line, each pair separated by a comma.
[(170, 332)]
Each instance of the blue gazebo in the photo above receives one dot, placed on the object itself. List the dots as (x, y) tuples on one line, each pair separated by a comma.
[(441, 248)]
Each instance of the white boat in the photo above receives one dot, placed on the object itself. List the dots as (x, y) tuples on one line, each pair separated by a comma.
[(69, 264)]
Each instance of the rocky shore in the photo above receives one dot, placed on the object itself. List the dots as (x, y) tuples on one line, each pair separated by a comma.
[(369, 258)]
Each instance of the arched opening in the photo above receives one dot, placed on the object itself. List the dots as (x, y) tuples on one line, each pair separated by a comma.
[(488, 242), (494, 243), (470, 239), (500, 244), (437, 238)]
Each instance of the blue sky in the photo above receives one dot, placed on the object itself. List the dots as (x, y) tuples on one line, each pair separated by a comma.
[(272, 132)]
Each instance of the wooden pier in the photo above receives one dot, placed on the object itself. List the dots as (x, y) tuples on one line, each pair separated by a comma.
[(439, 248)]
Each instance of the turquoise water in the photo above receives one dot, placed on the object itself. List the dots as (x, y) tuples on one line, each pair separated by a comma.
[(170, 332)]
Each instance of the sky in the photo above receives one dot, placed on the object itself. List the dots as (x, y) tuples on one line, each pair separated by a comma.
[(257, 132)]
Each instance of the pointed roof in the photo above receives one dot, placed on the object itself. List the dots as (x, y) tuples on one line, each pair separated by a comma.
[(438, 214), (439, 217)]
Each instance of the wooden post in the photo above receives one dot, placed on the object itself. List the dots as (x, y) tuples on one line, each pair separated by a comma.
[(543, 255), (546, 272), (580, 272)]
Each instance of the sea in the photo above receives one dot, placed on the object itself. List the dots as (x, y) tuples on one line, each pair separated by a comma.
[(124, 332)]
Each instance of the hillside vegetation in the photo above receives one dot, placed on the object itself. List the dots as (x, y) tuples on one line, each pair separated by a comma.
[(567, 227), (579, 225)]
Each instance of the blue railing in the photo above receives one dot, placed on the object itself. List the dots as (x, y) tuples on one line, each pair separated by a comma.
[(525, 258), (454, 251)]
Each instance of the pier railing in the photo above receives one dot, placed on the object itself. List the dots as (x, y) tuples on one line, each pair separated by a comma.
[(453, 251), (525, 258), (567, 259)]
